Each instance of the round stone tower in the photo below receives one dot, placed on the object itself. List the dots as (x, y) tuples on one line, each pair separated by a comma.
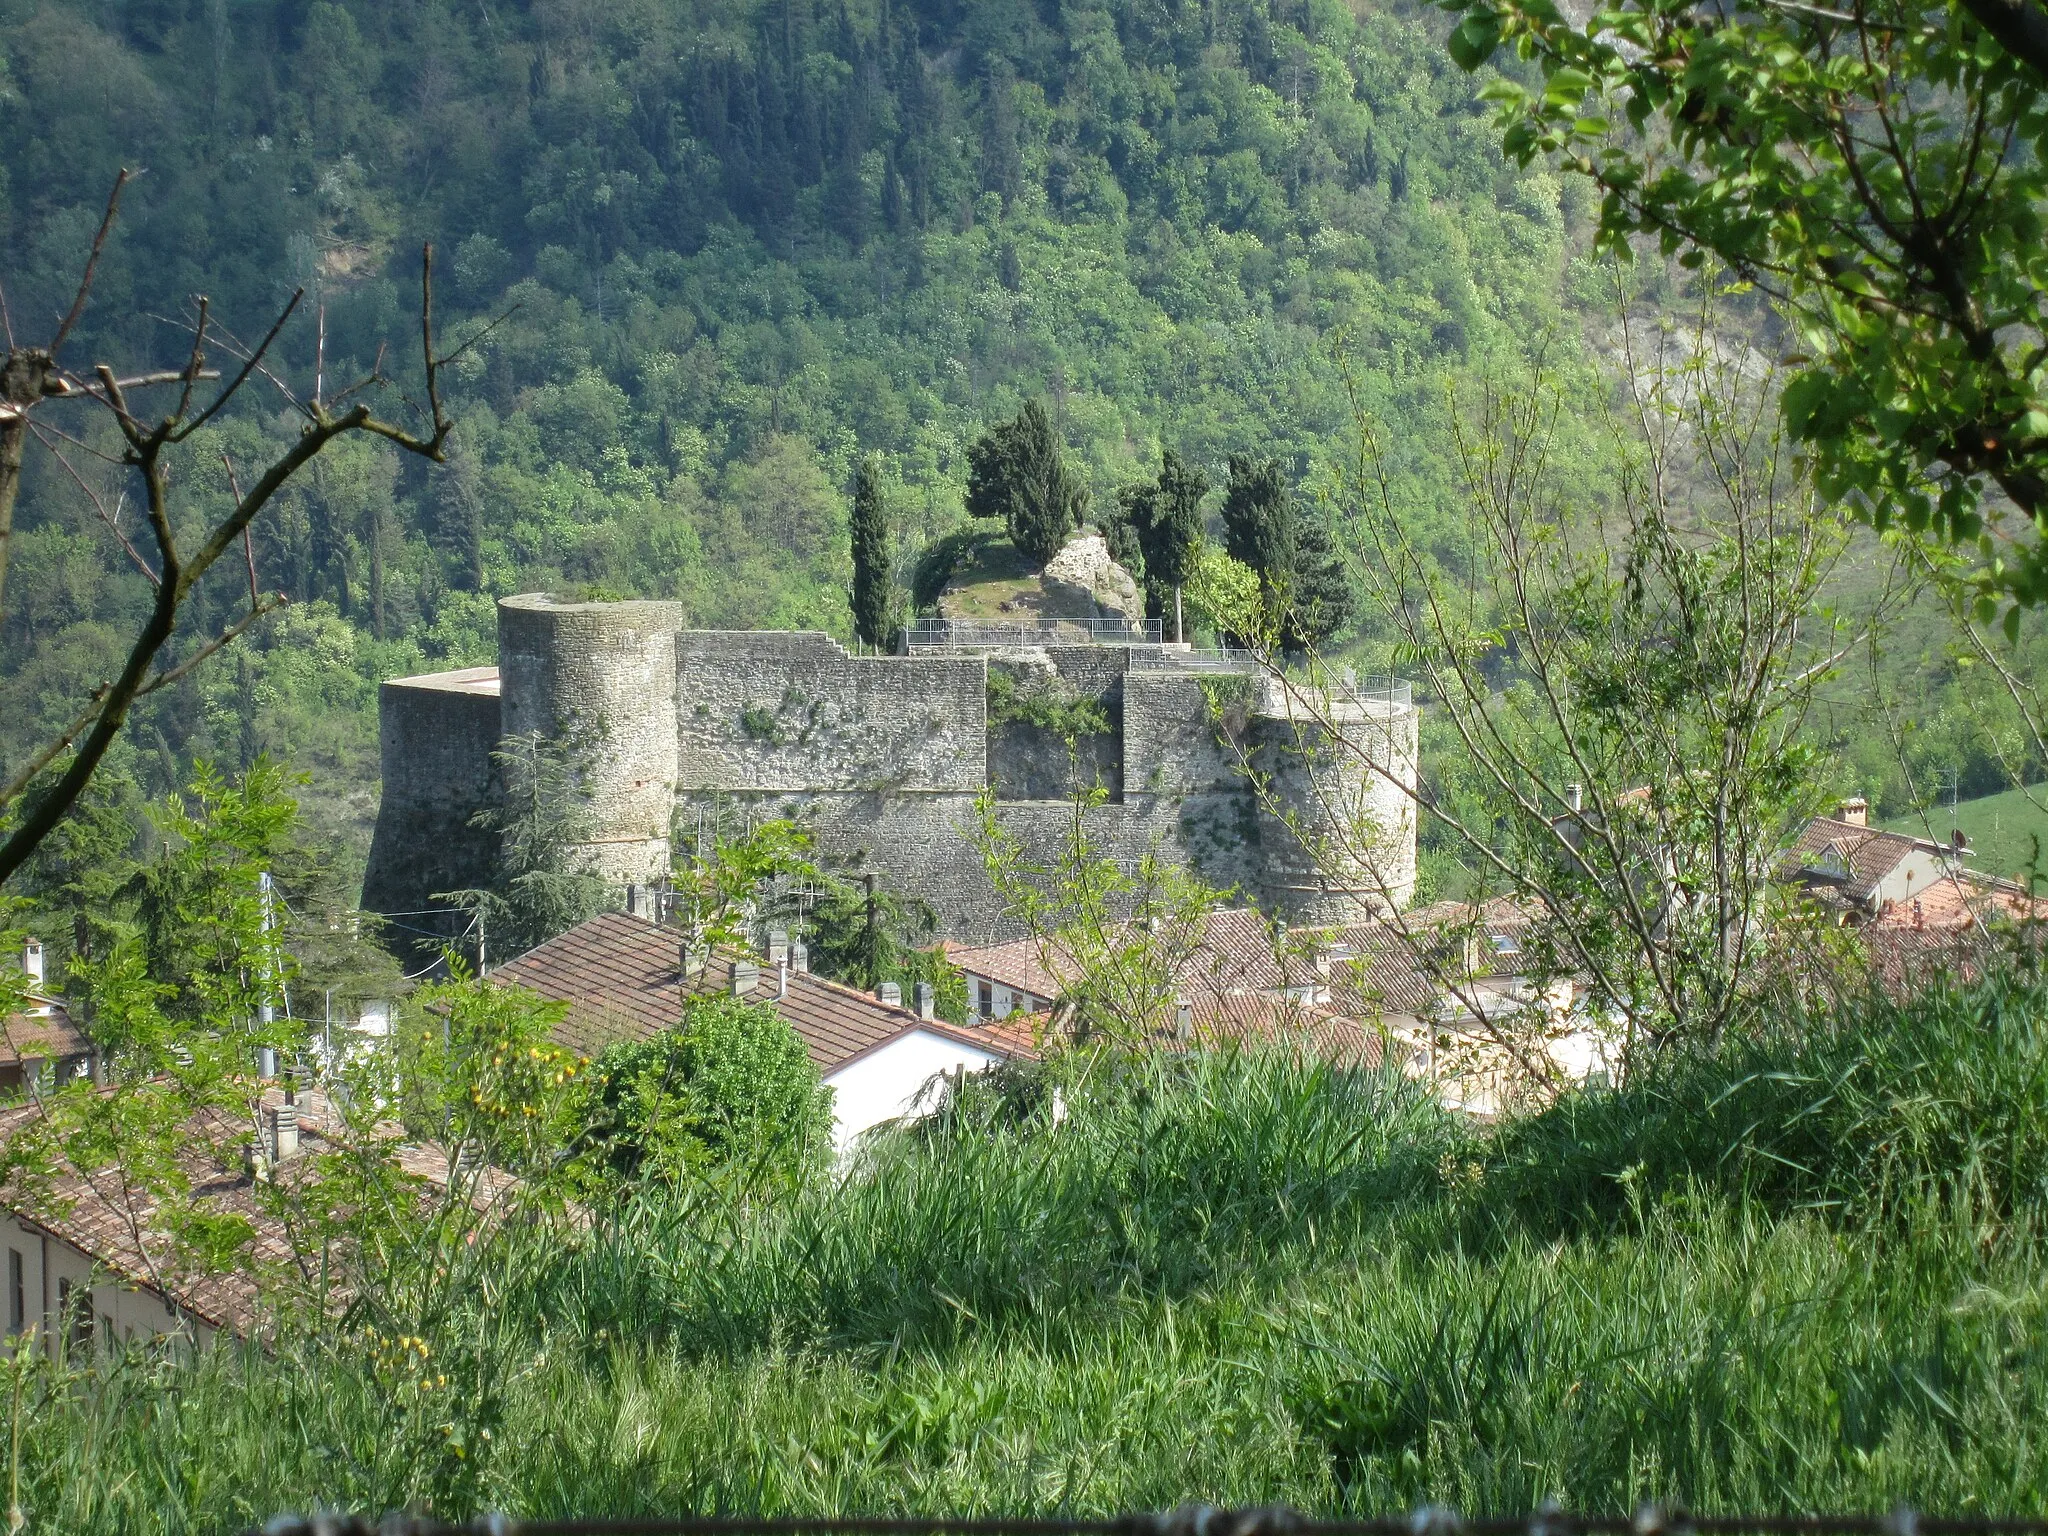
[(1336, 809), (601, 678)]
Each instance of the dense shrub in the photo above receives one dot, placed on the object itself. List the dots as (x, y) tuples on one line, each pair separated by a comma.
[(1866, 1110)]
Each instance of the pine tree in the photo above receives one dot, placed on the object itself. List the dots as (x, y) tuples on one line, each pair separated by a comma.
[(870, 529), (1017, 473)]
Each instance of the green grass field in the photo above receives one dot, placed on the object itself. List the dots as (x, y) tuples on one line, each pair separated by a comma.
[(1805, 1275), (2001, 828)]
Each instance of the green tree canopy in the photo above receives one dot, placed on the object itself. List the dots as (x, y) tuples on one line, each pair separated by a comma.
[(1882, 172), (1018, 473), (731, 1090), (541, 886)]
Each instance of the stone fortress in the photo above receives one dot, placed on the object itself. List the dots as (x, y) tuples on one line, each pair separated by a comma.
[(885, 755)]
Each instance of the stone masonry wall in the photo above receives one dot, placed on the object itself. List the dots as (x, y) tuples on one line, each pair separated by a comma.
[(773, 711), (604, 675), (884, 755), (436, 735)]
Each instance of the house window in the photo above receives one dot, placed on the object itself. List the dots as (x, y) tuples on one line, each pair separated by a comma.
[(74, 1307), (984, 998), (17, 1293)]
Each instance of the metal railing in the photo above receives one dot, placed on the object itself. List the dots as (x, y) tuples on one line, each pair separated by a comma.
[(1224, 660), (987, 634), (1391, 694), (1188, 1520)]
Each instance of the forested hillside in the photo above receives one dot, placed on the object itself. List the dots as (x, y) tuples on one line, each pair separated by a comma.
[(735, 244)]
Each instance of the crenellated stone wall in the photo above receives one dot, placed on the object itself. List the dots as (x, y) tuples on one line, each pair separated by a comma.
[(886, 755)]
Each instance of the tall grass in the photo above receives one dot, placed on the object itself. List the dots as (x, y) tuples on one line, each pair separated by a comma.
[(1808, 1275)]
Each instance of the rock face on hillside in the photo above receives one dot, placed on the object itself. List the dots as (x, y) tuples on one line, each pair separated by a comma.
[(1082, 582)]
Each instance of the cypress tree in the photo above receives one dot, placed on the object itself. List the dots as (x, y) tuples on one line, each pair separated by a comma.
[(1307, 591), (1176, 542), (1157, 536), (1017, 473), (1321, 588), (870, 531), (1258, 519)]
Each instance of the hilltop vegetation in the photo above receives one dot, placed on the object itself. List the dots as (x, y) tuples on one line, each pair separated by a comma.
[(734, 245)]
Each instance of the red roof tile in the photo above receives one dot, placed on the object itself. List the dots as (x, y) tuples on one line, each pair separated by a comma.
[(1863, 855), (46, 1033), (100, 1213), (621, 977), (1235, 954)]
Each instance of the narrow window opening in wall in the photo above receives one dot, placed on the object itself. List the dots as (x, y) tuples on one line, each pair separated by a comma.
[(984, 1001), (74, 1306), (17, 1292)]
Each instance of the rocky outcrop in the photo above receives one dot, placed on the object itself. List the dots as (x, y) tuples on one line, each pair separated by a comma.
[(1082, 582)]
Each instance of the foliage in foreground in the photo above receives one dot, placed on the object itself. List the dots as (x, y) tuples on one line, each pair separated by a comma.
[(1231, 1278)]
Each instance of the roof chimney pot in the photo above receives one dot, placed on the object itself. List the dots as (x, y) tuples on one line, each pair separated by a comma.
[(891, 993), (927, 1000), (284, 1129), (746, 976), (1855, 811), (32, 961)]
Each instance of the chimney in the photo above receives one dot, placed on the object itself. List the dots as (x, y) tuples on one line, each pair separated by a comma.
[(778, 945), (800, 957), (32, 961), (889, 992), (636, 900), (745, 977), (1855, 811), (1574, 797), (782, 979), (1184, 1020), (284, 1129), (266, 1062), (927, 997)]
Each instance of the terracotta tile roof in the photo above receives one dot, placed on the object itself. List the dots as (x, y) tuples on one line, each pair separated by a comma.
[(1246, 1019), (1235, 954), (1852, 857), (1906, 960), (1960, 901), (1017, 964), (45, 1032), (99, 1215), (621, 979), (1373, 971)]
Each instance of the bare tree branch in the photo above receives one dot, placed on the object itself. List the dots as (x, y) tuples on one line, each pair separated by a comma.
[(33, 377), (92, 265)]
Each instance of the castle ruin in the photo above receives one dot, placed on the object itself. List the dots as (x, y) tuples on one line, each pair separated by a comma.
[(885, 755)]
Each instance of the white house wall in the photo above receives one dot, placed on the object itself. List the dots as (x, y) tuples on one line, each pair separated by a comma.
[(885, 1084), (48, 1263)]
